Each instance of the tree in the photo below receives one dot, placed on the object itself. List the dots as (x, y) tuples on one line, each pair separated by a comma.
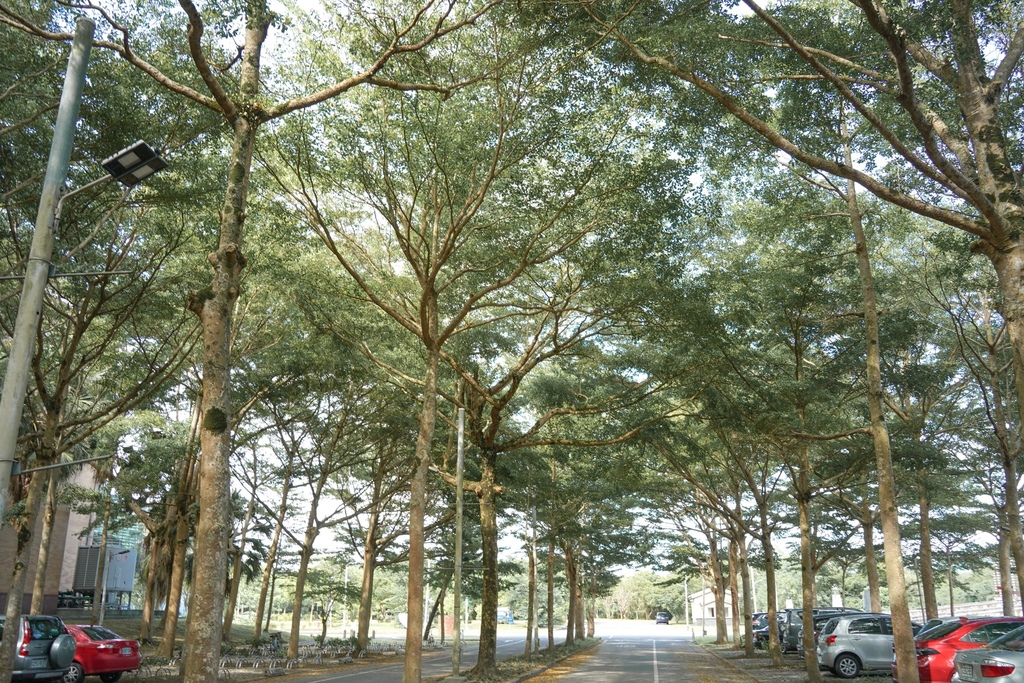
[(244, 111), (934, 95)]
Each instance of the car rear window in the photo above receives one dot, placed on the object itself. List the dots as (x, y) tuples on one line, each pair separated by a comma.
[(829, 626), (99, 633), (43, 629), (865, 626), (943, 630)]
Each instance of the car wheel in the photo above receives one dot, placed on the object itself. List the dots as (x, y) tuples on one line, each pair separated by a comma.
[(846, 666), (62, 651), (74, 674), (111, 677)]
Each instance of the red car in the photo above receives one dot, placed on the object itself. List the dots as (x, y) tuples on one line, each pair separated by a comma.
[(101, 652), (936, 649)]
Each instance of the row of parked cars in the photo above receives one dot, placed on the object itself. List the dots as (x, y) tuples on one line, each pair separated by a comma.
[(49, 650), (949, 650)]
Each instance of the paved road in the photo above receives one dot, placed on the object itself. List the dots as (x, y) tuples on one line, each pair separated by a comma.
[(649, 653), (630, 653)]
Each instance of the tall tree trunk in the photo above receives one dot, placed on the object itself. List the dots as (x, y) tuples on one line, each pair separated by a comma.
[(551, 594), (570, 581), (718, 588), (580, 602), (1005, 574), (592, 607), (366, 589), (487, 664), (413, 669), (748, 602), (23, 527), (176, 582), (45, 540), (903, 634), (275, 542), (435, 608), (870, 557), (215, 308), (531, 597), (803, 501), (99, 596), (305, 554), (156, 551), (236, 569), (770, 589), (734, 591), (931, 606)]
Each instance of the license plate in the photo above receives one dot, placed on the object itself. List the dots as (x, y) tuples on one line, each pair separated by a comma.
[(126, 650), (965, 671), (39, 663)]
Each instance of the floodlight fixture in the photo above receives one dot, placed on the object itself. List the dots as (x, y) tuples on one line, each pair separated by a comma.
[(134, 163)]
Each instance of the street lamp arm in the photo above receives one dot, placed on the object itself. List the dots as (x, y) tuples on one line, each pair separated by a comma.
[(15, 471)]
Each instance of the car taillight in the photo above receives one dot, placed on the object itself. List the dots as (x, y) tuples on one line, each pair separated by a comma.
[(926, 652), (992, 668), (830, 640), (26, 637)]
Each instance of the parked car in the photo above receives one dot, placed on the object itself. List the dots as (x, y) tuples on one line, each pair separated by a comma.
[(935, 650), (101, 652), (662, 618), (852, 643), (1002, 659), (791, 636), (44, 651), (761, 631)]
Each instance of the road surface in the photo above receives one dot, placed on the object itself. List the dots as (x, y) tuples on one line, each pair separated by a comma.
[(631, 652)]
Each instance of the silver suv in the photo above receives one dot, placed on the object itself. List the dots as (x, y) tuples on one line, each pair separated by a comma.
[(852, 643), (44, 648)]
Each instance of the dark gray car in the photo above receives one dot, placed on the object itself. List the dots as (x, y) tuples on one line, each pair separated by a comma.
[(44, 649)]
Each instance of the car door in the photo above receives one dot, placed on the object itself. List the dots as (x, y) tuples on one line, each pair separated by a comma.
[(872, 644)]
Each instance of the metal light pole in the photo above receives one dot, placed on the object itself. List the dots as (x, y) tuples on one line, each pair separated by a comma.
[(457, 636), (30, 308)]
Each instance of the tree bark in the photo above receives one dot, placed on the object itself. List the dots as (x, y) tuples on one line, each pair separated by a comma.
[(305, 553), (906, 654), (807, 572), (734, 591), (412, 672), (748, 602), (99, 593), (23, 527), (275, 542), (176, 581), (551, 594), (236, 570), (156, 552), (45, 540), (1005, 574), (570, 580), (770, 589), (870, 557), (487, 665), (931, 605)]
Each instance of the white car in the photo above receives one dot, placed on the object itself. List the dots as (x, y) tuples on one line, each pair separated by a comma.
[(852, 643)]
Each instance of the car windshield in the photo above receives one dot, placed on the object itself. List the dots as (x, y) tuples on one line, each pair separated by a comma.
[(1012, 641)]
